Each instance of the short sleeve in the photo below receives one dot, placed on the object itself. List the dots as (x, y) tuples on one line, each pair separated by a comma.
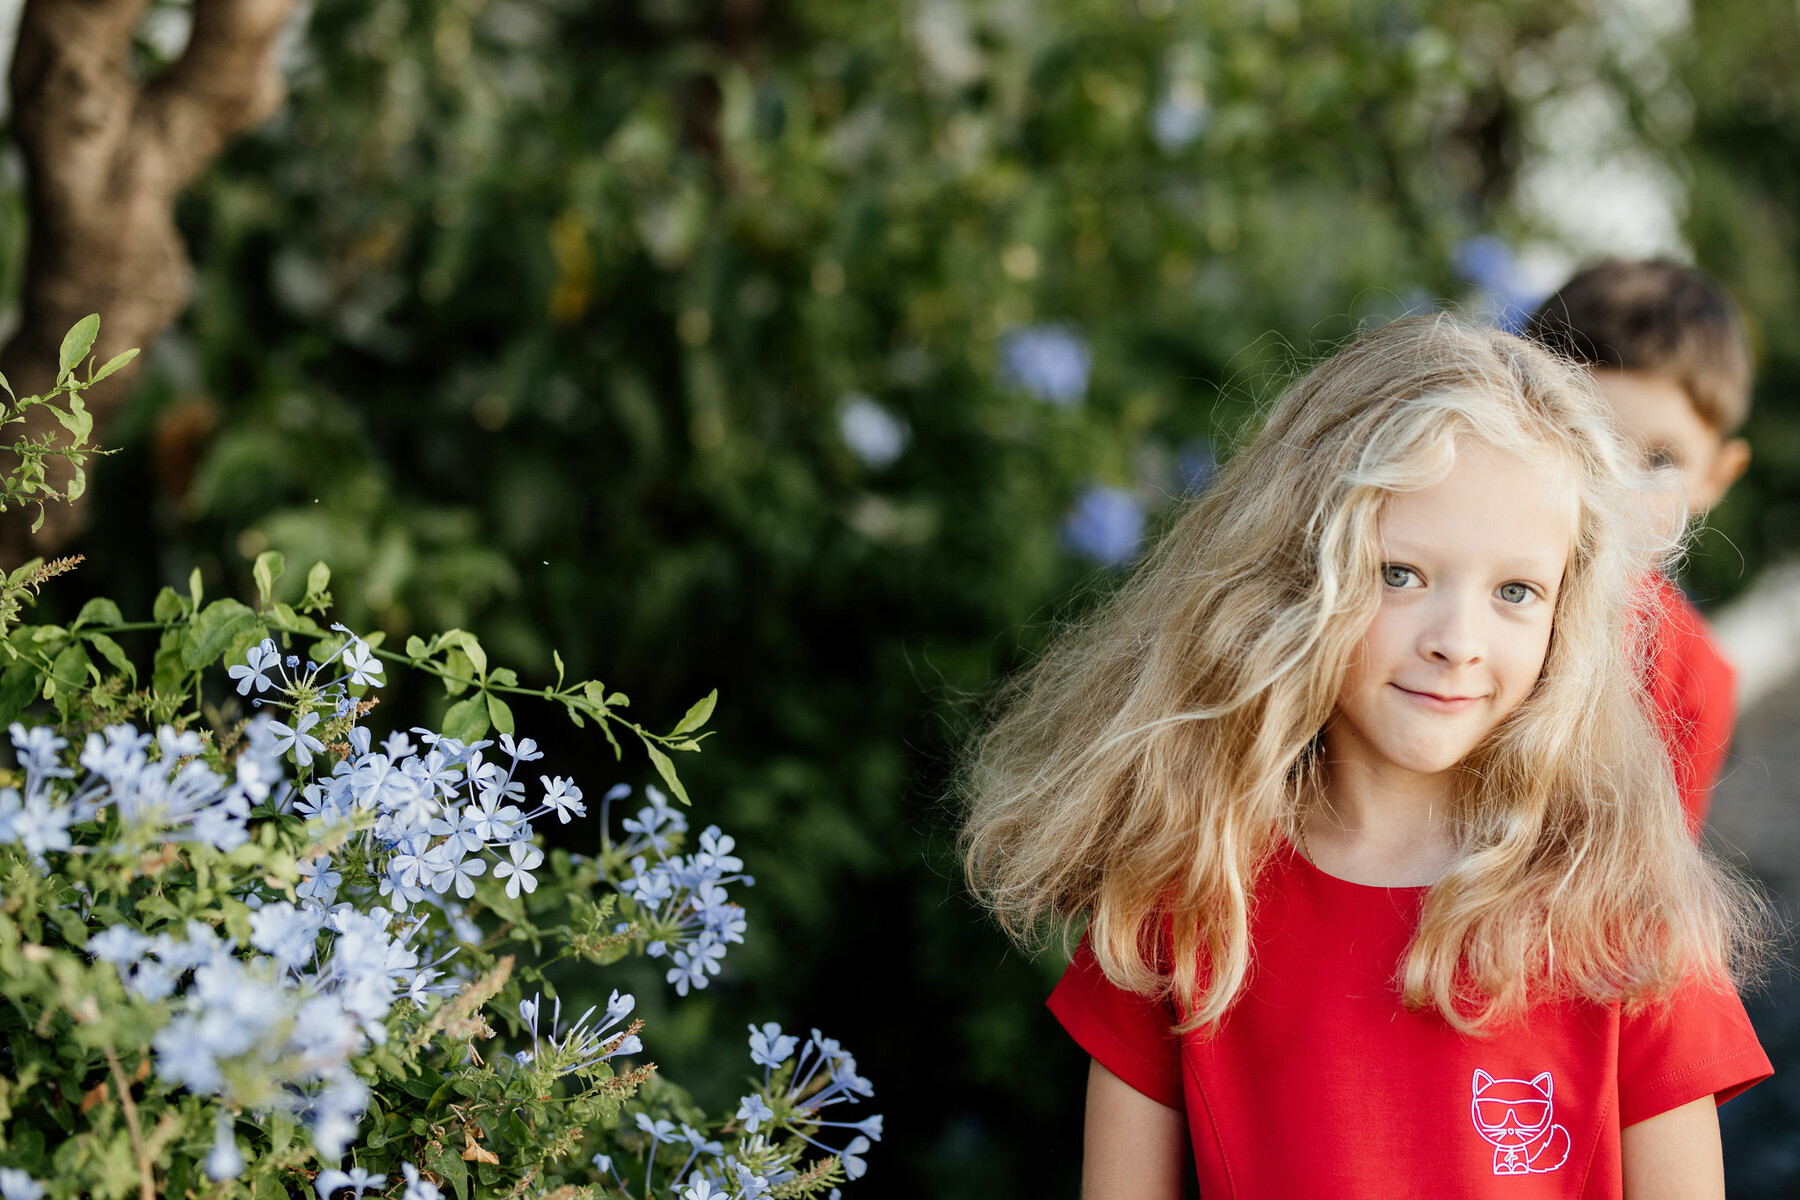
[(1697, 1043), (1126, 1033)]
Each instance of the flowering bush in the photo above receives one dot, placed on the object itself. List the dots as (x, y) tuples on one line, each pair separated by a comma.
[(246, 945)]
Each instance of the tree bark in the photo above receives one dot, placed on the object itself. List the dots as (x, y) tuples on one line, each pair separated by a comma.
[(106, 156)]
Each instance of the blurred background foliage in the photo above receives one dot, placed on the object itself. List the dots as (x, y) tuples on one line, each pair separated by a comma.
[(829, 354)]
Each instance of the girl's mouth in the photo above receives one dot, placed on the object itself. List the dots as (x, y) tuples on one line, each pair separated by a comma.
[(1437, 701)]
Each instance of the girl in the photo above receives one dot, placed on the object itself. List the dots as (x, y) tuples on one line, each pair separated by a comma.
[(1387, 890)]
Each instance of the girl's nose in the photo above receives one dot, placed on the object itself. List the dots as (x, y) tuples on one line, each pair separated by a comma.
[(1452, 631)]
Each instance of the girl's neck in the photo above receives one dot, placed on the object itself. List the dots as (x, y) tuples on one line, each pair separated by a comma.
[(1383, 829)]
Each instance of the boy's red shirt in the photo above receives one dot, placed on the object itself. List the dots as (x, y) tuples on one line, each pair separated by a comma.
[(1320, 1083), (1693, 696)]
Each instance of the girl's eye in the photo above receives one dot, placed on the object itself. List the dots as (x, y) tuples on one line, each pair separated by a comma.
[(1515, 593), (1397, 577)]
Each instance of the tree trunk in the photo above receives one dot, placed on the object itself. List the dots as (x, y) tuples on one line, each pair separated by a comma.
[(106, 156)]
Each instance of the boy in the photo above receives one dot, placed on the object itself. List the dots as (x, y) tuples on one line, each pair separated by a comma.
[(1667, 349)]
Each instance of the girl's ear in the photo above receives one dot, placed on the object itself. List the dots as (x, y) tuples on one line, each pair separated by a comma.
[(1483, 1080)]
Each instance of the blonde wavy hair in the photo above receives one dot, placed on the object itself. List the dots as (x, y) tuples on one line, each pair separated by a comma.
[(1148, 767)]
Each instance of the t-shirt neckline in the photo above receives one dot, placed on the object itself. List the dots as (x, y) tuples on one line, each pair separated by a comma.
[(1308, 866)]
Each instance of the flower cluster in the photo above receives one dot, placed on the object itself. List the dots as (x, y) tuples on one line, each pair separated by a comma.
[(682, 909), (169, 797), (776, 1127), (347, 929)]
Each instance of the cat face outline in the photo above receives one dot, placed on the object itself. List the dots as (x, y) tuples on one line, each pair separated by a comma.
[(1512, 1112)]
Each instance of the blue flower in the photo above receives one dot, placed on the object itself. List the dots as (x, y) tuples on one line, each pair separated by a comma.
[(753, 1111), (769, 1046), (417, 1188), (874, 434), (488, 820), (224, 1160), (699, 1140), (854, 1166), (1106, 525), (362, 664), (285, 933), (1050, 362), (450, 866), (263, 657), (525, 859), (119, 944), (303, 744), (361, 1180), (704, 1191), (39, 826), (563, 797), (38, 749), (18, 1185), (318, 882), (660, 1131)]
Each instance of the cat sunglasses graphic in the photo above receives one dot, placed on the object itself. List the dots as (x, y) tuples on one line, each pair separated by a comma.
[(1515, 1116)]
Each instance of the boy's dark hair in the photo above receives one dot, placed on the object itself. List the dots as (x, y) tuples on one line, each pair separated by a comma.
[(1660, 317)]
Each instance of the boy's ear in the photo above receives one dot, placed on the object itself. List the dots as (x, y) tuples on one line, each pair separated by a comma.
[(1728, 466)]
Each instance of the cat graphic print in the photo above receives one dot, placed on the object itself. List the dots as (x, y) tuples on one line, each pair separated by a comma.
[(1517, 1116)]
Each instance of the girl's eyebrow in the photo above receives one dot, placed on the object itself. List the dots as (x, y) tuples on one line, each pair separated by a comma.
[(1399, 550)]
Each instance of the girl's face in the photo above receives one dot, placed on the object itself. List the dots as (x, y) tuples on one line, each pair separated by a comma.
[(1471, 568)]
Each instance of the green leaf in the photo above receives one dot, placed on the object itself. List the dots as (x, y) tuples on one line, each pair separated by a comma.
[(318, 579), (115, 655), (169, 606), (77, 483), (265, 571), (8, 386), (503, 677), (217, 626), (68, 676), (666, 769), (459, 672), (194, 590), (113, 364), (75, 345), (557, 659), (416, 648), (168, 673), (698, 715), (98, 611), (466, 720), (477, 656), (18, 688), (499, 713), (77, 420)]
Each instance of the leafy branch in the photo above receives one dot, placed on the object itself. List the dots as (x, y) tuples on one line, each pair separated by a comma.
[(26, 482)]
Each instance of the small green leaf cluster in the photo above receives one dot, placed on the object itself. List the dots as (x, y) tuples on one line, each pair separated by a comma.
[(27, 482)]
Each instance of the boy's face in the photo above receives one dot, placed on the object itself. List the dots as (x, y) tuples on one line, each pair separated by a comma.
[(1655, 412)]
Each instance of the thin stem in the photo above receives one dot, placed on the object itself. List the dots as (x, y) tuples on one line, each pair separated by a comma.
[(146, 1176)]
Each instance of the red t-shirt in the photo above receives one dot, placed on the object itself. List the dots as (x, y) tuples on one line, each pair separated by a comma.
[(1693, 696), (1319, 1083)]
